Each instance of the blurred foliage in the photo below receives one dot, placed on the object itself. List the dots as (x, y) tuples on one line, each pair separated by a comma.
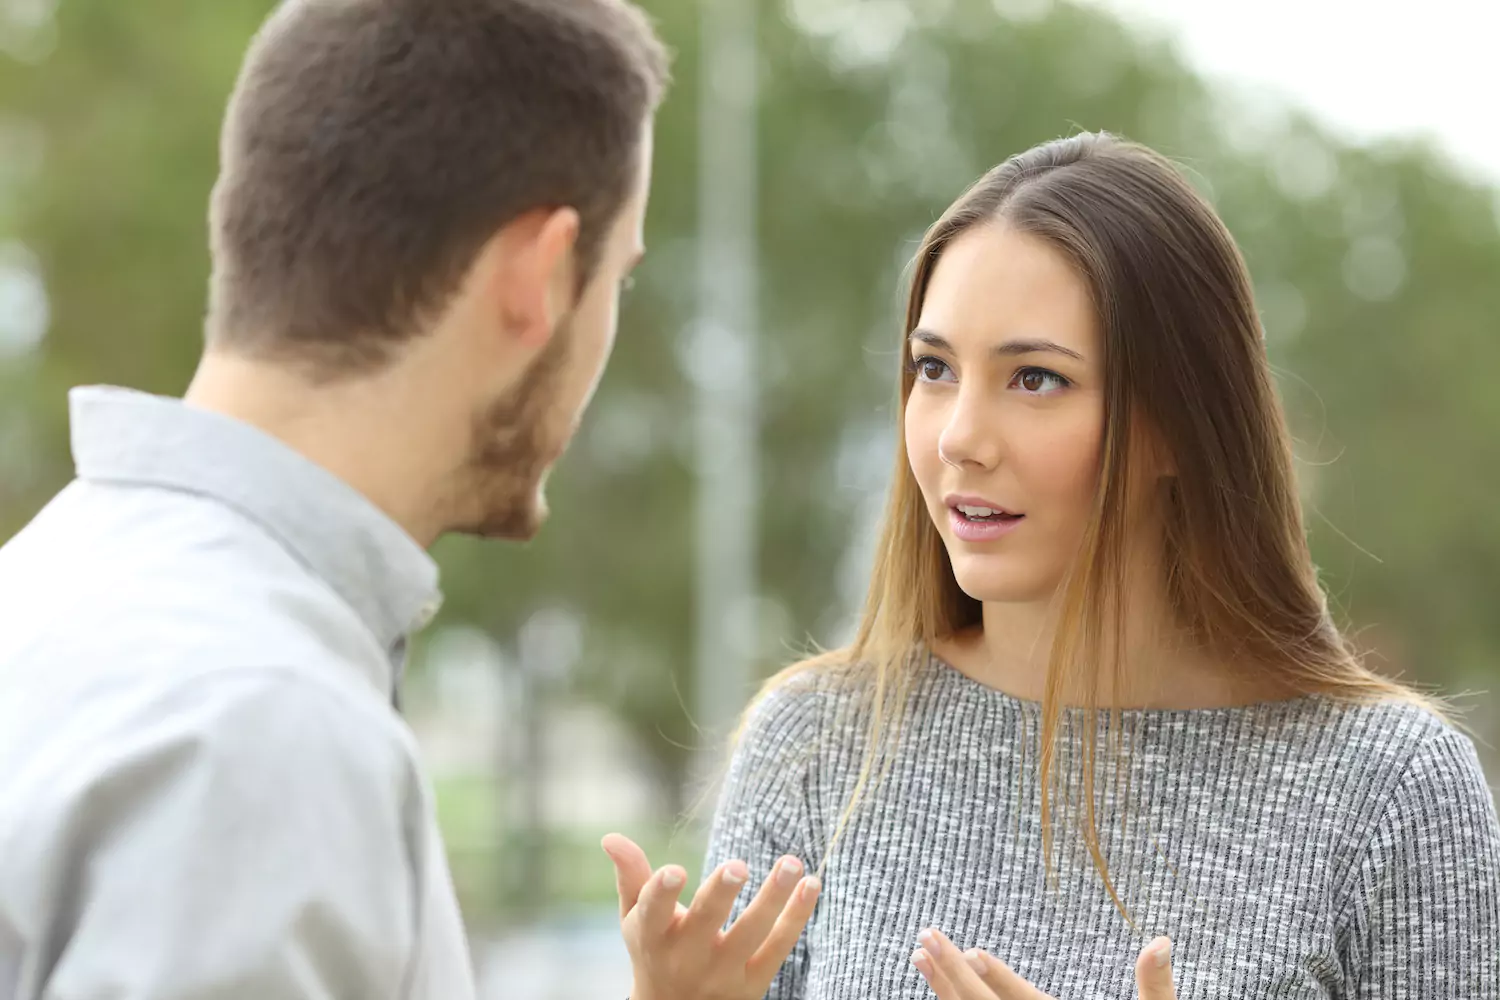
[(500, 875), (1376, 269)]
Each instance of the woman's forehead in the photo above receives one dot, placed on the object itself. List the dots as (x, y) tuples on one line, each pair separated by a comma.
[(995, 284)]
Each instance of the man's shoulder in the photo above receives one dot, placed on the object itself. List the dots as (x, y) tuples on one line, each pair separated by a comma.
[(286, 720), (186, 589), (252, 789), (268, 711), (242, 737), (111, 546)]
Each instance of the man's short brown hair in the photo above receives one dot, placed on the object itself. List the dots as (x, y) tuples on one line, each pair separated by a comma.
[(372, 147)]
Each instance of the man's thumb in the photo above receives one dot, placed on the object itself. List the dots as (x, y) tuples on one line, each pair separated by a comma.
[(1153, 971), (632, 870)]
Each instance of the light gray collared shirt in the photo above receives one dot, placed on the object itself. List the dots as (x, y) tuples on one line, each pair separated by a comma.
[(204, 789)]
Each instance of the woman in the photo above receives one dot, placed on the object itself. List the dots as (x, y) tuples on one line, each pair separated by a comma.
[(1096, 697)]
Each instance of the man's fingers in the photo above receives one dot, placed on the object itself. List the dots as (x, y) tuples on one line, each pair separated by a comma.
[(715, 899), (658, 904), (632, 870), (778, 944), (1153, 971), (1002, 980), (749, 932)]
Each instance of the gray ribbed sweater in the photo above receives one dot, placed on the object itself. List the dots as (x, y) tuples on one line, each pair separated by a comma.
[(1302, 849)]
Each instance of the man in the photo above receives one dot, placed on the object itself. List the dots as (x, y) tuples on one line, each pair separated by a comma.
[(425, 213)]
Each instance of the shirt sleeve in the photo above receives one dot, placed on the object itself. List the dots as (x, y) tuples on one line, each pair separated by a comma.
[(764, 807), (247, 842), (1426, 899)]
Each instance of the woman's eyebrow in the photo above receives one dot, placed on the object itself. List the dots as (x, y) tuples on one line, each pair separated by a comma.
[(1010, 348)]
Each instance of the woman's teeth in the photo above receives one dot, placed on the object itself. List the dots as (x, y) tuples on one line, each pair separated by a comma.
[(978, 513)]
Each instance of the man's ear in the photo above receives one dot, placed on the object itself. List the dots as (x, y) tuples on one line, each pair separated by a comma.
[(532, 273), (557, 245)]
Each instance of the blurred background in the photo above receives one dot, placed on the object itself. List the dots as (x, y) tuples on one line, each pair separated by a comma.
[(715, 515)]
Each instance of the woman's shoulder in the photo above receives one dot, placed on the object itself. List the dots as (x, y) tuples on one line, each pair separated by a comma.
[(1395, 753), (1418, 814), (1383, 734), (807, 697)]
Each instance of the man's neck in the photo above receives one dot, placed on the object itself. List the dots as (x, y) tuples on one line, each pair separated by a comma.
[(361, 430)]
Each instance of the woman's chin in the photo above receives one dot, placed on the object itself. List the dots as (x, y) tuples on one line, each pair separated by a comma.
[(1000, 584)]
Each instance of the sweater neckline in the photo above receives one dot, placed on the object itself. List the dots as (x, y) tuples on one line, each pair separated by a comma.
[(950, 675)]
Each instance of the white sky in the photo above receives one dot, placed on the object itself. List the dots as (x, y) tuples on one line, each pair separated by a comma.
[(1366, 68)]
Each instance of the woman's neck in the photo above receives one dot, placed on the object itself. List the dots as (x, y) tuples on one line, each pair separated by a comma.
[(1162, 666)]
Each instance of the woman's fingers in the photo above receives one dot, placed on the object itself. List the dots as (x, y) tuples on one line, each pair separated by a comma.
[(970, 975), (951, 973), (684, 945), (658, 902), (977, 976), (1153, 971), (714, 900), (1006, 983), (632, 870), (778, 944), (937, 979), (749, 931)]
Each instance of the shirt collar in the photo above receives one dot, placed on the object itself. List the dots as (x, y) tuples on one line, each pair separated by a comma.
[(124, 436)]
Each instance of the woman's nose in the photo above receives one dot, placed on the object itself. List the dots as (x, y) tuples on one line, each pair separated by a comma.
[(970, 438)]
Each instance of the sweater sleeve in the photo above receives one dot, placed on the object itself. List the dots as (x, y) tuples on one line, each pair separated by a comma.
[(1424, 913), (764, 806)]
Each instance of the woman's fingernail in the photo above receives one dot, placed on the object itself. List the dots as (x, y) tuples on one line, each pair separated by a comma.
[(1161, 952), (931, 942), (810, 888), (673, 879), (920, 959), (735, 873), (976, 962), (789, 872)]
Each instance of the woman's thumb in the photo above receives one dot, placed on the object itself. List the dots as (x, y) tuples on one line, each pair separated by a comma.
[(632, 869), (1153, 971)]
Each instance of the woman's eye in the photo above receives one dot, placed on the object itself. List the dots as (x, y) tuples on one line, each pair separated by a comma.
[(929, 369), (1039, 381)]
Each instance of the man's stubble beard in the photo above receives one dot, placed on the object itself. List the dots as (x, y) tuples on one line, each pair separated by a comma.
[(498, 491)]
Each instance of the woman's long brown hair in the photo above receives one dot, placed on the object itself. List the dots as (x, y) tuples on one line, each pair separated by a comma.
[(1185, 357)]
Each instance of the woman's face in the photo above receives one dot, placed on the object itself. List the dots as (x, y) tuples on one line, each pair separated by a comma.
[(1005, 420)]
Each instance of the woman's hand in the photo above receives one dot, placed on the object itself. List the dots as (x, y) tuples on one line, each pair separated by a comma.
[(680, 953), (973, 975)]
